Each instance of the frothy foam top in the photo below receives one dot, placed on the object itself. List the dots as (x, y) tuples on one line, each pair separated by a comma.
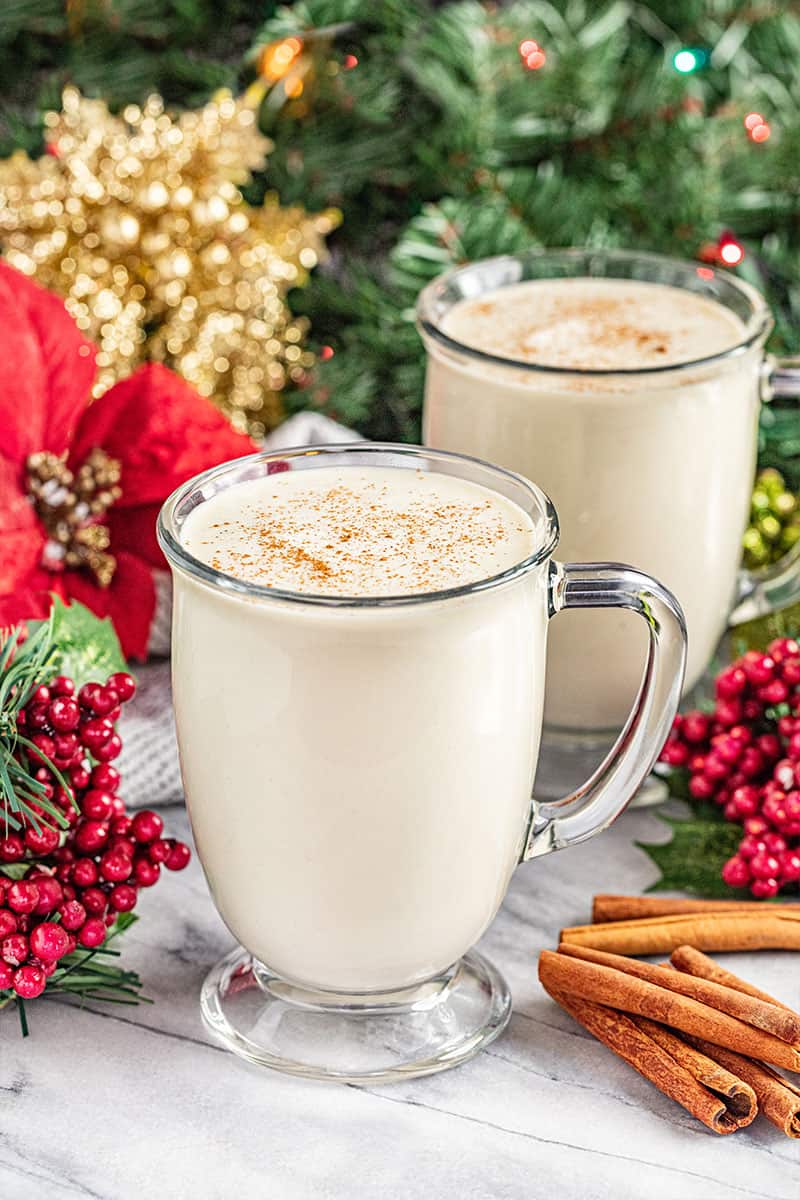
[(360, 531), (595, 324)]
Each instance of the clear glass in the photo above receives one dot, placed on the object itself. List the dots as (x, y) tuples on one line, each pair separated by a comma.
[(358, 774), (652, 466)]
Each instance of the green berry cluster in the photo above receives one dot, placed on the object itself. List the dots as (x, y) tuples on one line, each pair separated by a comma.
[(774, 521)]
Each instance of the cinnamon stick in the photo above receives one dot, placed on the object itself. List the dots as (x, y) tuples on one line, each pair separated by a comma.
[(616, 989), (707, 931), (694, 962), (645, 1055), (738, 1096), (774, 1019), (778, 1099), (626, 908)]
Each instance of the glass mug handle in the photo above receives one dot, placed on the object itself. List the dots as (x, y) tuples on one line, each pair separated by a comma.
[(593, 806), (765, 591)]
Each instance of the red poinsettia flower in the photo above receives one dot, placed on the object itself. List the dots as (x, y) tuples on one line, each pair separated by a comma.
[(81, 482)]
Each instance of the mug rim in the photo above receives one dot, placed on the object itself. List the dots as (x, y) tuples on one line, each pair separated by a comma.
[(758, 325), (189, 495)]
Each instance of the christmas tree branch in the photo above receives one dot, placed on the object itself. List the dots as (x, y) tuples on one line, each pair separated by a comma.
[(482, 156), (24, 665), (84, 974)]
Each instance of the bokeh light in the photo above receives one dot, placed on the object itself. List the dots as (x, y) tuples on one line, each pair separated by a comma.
[(532, 54), (689, 59), (731, 252)]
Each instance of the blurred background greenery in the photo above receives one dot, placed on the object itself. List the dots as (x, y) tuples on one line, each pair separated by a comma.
[(446, 132)]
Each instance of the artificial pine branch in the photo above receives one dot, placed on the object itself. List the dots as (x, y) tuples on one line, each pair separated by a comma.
[(74, 641), (84, 976), (24, 665), (118, 49)]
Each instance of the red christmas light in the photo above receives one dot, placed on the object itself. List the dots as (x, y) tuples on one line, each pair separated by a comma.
[(532, 55), (731, 252), (325, 353), (758, 129), (349, 62)]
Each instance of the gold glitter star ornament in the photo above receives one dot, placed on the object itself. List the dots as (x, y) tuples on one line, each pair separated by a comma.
[(138, 222)]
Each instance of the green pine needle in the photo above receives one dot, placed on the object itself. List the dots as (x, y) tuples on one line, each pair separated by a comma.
[(84, 975), (72, 640), (24, 665)]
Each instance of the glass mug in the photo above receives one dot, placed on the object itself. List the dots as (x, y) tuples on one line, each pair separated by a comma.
[(358, 775), (653, 466)]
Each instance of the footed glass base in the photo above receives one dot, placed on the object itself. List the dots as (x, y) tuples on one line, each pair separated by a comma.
[(369, 1038)]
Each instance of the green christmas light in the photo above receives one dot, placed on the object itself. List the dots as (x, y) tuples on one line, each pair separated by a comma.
[(689, 59)]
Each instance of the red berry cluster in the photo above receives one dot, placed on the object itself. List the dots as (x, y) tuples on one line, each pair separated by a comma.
[(745, 756), (77, 881)]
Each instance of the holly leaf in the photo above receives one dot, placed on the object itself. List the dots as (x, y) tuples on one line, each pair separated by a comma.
[(15, 870), (691, 861), (87, 648)]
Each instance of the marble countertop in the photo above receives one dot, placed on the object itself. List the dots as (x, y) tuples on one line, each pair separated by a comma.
[(121, 1103)]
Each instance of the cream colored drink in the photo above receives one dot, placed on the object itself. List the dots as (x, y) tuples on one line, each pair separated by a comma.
[(648, 466), (358, 777)]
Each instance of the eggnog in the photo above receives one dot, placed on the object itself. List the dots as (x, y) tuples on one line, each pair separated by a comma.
[(358, 775), (358, 532), (648, 461)]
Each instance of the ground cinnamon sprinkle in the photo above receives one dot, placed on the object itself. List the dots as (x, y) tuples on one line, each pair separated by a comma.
[(296, 555), (322, 536), (590, 324), (613, 332)]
